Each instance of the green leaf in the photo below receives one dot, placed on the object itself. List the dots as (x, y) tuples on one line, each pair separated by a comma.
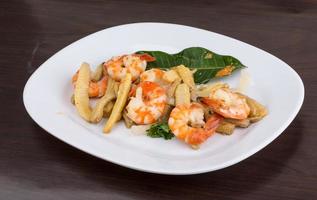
[(207, 63), (160, 130)]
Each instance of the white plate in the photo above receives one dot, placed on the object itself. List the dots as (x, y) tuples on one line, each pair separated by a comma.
[(47, 99)]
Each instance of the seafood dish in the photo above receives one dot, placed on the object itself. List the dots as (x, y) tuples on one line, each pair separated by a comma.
[(165, 95)]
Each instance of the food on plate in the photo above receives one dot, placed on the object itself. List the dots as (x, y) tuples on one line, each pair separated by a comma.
[(108, 108), (186, 75), (81, 96), (127, 121), (117, 67), (160, 130), (98, 73), (96, 88), (227, 103), (204, 64), (147, 104), (225, 128), (243, 123), (182, 94), (165, 95), (118, 106), (152, 75), (97, 112), (187, 123), (257, 110)]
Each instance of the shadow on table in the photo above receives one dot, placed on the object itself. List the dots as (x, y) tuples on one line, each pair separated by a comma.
[(71, 169)]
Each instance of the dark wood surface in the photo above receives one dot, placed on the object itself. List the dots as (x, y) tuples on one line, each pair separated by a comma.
[(35, 165)]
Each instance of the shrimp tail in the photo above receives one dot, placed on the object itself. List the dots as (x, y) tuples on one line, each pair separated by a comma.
[(146, 57), (213, 122), (201, 135)]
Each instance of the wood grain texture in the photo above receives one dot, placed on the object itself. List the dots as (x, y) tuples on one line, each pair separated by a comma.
[(35, 165)]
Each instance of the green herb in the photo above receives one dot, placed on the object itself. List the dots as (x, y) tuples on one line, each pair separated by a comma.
[(160, 130), (206, 63)]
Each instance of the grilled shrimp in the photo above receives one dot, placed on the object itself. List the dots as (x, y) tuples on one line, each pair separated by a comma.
[(187, 123), (227, 104), (148, 104), (96, 89), (117, 67)]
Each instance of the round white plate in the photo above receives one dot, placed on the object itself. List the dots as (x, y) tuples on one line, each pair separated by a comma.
[(47, 99)]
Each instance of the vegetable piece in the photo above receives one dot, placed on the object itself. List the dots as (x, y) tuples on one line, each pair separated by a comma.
[(160, 130), (116, 88), (171, 76), (104, 69), (207, 63), (127, 121), (140, 129), (195, 147), (81, 92), (119, 117), (97, 112), (186, 75), (193, 95), (256, 119), (171, 89), (166, 113), (122, 98), (110, 86), (72, 99), (204, 91), (108, 108), (243, 123), (207, 111), (225, 128), (257, 110), (97, 74), (182, 94)]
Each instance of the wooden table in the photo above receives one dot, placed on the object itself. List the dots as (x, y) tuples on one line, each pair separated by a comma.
[(35, 165)]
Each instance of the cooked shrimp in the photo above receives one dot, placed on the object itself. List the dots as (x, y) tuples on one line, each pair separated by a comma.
[(148, 104), (164, 78), (227, 103), (96, 89), (118, 67), (146, 57), (153, 75), (187, 123)]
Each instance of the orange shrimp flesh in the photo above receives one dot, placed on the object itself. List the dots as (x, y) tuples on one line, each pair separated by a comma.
[(96, 89), (153, 75), (148, 104), (118, 67), (146, 57), (115, 68), (227, 104), (187, 123)]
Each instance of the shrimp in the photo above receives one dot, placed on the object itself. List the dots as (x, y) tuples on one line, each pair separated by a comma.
[(187, 123), (148, 104), (153, 75), (227, 104), (96, 89), (159, 76), (168, 80), (117, 67)]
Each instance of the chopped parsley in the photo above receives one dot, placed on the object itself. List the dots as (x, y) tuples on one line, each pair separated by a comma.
[(160, 130)]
